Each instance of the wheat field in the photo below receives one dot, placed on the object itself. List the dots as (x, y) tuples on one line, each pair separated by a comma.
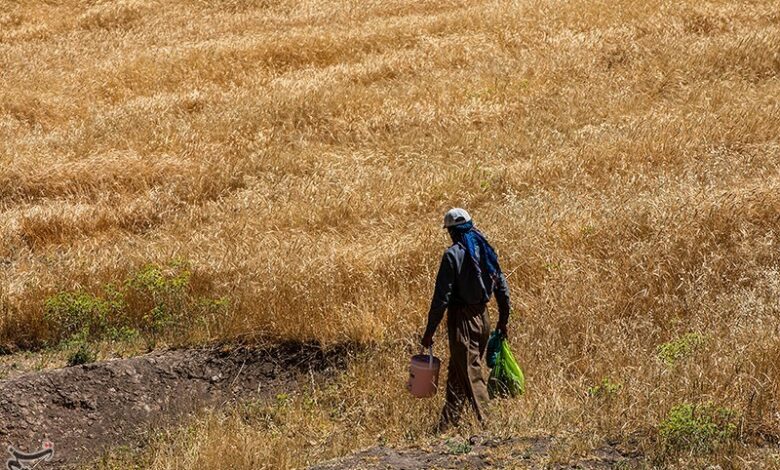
[(298, 155)]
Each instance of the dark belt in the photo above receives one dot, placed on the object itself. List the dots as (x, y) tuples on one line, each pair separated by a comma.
[(474, 309)]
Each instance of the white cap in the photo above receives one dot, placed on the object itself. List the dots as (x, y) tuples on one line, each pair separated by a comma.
[(455, 217)]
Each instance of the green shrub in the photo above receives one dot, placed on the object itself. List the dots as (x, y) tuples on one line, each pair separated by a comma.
[(122, 333), (159, 318), (153, 301), (71, 313), (606, 389), (680, 348), (114, 297), (208, 312), (697, 428), (162, 294), (160, 282)]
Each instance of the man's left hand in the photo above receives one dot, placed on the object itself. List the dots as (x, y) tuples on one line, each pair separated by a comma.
[(503, 329), (427, 341)]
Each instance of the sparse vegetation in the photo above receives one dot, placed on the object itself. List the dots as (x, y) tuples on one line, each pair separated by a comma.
[(622, 157), (83, 353), (680, 348), (152, 302), (458, 447), (697, 428), (606, 389), (77, 313)]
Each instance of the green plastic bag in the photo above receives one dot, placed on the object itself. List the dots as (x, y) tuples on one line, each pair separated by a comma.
[(506, 378)]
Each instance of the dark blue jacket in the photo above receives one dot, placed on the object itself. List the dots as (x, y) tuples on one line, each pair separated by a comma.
[(458, 284)]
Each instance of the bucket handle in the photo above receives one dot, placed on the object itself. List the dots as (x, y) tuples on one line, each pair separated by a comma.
[(430, 356)]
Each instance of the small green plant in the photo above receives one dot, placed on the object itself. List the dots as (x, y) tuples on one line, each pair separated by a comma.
[(83, 354), (150, 278), (458, 447), (220, 305), (282, 399), (606, 389), (159, 281), (552, 267), (680, 348), (159, 318), (207, 312), (697, 428)]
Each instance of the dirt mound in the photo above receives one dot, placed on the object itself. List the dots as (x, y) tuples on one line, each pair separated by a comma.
[(86, 409), (529, 452)]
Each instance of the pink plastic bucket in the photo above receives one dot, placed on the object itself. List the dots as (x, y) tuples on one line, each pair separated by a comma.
[(424, 375)]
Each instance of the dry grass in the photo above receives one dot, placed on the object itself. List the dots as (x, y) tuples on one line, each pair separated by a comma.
[(623, 157)]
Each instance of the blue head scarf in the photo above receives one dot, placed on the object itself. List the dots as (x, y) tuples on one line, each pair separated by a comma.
[(468, 236)]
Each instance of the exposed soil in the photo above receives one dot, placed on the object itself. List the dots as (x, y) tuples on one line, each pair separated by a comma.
[(514, 453), (87, 409)]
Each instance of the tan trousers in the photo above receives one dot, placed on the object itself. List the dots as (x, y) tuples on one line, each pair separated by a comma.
[(468, 329)]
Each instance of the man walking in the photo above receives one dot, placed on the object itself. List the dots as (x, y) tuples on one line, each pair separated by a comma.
[(468, 275)]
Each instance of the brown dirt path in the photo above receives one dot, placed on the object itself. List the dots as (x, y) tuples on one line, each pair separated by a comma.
[(476, 453), (87, 409)]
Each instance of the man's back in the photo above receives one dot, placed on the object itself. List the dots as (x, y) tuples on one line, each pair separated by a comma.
[(458, 282)]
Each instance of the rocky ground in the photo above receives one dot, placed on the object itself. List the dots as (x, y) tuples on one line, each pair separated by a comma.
[(87, 409)]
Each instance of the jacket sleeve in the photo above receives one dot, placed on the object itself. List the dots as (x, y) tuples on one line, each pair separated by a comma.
[(502, 298), (441, 293)]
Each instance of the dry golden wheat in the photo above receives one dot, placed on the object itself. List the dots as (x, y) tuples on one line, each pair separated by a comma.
[(622, 157)]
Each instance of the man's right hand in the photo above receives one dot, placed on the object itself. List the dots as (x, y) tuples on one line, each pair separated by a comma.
[(427, 341)]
